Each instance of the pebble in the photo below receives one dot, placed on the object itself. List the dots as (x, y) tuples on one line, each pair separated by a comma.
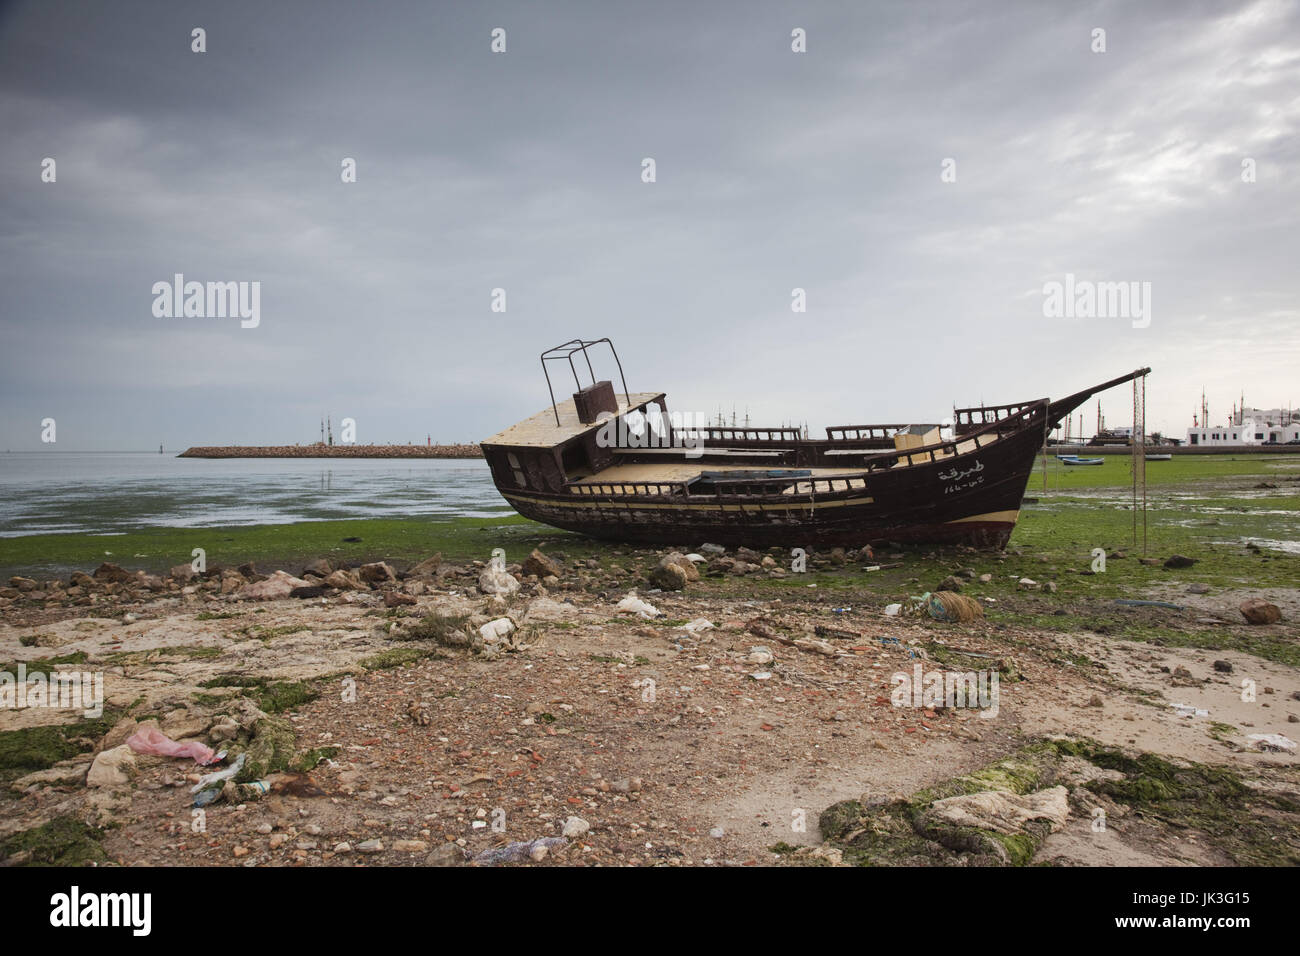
[(575, 827)]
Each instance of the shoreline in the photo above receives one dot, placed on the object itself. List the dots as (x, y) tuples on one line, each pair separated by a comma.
[(333, 451)]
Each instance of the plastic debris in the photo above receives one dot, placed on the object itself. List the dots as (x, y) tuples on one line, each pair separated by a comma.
[(956, 608), (517, 852), (634, 605), (891, 610), (1188, 710), (1274, 742), (698, 626), (214, 781), (150, 740)]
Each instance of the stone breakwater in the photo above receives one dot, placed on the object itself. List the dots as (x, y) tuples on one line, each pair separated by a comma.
[(332, 451)]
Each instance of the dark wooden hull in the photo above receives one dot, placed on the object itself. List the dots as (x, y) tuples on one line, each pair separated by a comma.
[(913, 504)]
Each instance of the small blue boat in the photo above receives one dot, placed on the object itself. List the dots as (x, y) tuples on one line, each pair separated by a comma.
[(1074, 460)]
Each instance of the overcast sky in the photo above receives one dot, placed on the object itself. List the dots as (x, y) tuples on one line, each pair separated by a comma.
[(522, 170)]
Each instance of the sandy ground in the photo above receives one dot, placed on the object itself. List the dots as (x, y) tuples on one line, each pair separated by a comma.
[(668, 744)]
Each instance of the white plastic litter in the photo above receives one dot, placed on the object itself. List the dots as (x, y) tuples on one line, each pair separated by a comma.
[(1273, 742), (634, 605), (697, 558), (1187, 710), (891, 610), (698, 626)]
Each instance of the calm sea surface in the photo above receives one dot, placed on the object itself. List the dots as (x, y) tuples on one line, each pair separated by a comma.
[(114, 492)]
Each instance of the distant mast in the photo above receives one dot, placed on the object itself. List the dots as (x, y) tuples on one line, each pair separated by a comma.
[(160, 451)]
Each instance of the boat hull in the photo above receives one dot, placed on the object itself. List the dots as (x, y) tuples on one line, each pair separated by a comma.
[(919, 504)]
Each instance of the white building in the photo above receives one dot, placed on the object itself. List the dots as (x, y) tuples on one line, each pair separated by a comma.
[(1250, 426)]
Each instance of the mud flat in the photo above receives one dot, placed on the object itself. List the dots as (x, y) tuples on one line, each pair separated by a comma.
[(409, 715)]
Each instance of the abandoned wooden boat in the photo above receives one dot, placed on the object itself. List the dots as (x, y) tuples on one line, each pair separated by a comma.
[(620, 467)]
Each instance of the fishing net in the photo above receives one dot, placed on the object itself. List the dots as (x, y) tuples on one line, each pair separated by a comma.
[(954, 608)]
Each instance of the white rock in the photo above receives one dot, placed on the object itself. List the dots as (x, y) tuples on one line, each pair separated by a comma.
[(494, 632), (575, 827)]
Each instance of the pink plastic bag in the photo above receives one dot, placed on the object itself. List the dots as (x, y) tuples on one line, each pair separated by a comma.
[(153, 741)]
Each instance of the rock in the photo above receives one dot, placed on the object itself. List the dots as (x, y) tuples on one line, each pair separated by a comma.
[(83, 580), (538, 853), (985, 578), (377, 572), (410, 846), (311, 591), (714, 549), (343, 848), (685, 563), (575, 827), (1027, 584), (278, 840), (1176, 561), (370, 846), (542, 566), (112, 768), (1002, 810), (319, 568), (344, 581), (1149, 562), (448, 854), (182, 572), (427, 568), (279, 585), (112, 573), (1198, 589), (397, 599), (951, 583), (1223, 667), (759, 655), (496, 580), (497, 632), (668, 575), (1259, 611), (65, 773)]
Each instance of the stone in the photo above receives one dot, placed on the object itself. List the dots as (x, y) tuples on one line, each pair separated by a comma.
[(759, 655), (344, 581), (112, 768), (427, 568), (542, 566), (1173, 562), (397, 599), (668, 576), (1259, 611), (320, 568), (951, 583), (410, 846), (65, 773), (714, 549), (575, 827), (182, 572), (107, 572), (279, 585), (377, 572), (1223, 667), (1027, 584), (448, 854), (307, 593), (1002, 810), (370, 846)]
